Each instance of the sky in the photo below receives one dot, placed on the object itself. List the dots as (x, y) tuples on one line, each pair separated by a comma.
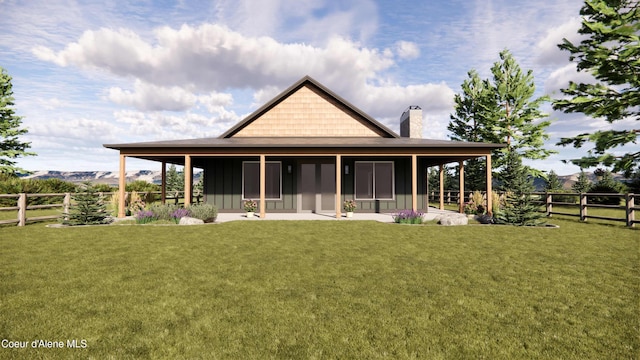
[(87, 73)]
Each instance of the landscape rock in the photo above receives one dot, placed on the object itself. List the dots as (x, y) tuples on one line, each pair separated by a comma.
[(190, 221), (484, 219), (453, 219)]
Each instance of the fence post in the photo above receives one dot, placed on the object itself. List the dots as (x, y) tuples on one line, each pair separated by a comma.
[(66, 204), (448, 197), (583, 207), (22, 209), (630, 212), (549, 204)]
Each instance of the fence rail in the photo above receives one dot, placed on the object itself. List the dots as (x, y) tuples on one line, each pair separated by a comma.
[(22, 204), (546, 199)]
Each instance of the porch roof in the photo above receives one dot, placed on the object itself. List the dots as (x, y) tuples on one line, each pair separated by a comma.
[(433, 151), (306, 142)]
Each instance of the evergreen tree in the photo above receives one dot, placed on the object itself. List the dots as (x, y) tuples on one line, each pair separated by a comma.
[(472, 122), (607, 184), (175, 179), (500, 110), (583, 184), (88, 208), (518, 119), (611, 53), (10, 145), (634, 182), (521, 208), (553, 182), (450, 181)]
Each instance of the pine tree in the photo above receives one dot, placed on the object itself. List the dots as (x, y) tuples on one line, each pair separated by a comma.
[(611, 53), (553, 182), (175, 179), (500, 110), (471, 122), (10, 145), (521, 208), (607, 184), (518, 118), (583, 184), (88, 208)]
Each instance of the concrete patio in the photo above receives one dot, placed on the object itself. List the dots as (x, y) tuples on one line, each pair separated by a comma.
[(381, 217)]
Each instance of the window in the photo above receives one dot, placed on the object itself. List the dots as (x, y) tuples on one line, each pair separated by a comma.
[(251, 180), (374, 180)]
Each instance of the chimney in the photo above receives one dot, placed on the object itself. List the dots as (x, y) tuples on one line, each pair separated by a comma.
[(411, 122)]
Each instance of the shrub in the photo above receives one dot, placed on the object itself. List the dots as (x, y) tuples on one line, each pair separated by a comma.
[(145, 217), (88, 208), (163, 212), (204, 212), (497, 202), (178, 214), (144, 188), (607, 184), (16, 185), (105, 188), (408, 217), (136, 203)]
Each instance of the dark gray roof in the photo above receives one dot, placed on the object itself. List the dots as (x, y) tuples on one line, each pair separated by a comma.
[(306, 142)]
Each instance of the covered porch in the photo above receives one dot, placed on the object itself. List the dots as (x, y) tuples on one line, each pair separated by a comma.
[(337, 163)]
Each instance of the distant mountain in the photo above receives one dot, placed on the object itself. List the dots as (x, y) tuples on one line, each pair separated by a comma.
[(103, 177), (568, 180)]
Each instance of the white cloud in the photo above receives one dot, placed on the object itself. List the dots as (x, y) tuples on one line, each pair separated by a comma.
[(211, 57), (407, 49), (141, 126), (547, 51), (148, 97), (52, 103), (559, 79)]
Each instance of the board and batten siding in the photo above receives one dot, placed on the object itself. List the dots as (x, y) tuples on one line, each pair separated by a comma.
[(223, 185), (402, 173)]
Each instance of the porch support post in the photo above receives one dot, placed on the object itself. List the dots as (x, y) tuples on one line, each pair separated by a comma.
[(441, 187), (338, 186), (188, 180), (489, 187), (263, 179), (122, 183), (414, 182), (461, 196), (163, 183)]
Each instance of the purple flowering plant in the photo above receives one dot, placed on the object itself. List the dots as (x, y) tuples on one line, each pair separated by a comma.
[(178, 214), (145, 217), (408, 217)]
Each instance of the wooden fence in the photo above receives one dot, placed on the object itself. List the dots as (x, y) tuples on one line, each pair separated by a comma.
[(22, 204), (631, 203)]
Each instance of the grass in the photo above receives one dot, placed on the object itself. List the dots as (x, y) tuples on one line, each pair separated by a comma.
[(323, 289), (613, 213)]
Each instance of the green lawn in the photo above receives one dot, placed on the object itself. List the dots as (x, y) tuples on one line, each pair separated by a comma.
[(322, 289)]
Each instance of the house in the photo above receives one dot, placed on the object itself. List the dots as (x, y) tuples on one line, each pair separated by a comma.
[(309, 150)]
